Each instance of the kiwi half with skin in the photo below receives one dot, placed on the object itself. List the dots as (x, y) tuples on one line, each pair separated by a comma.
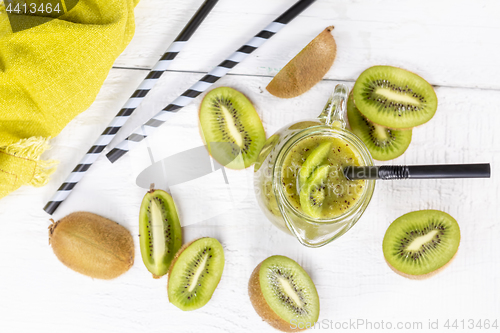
[(195, 273), (307, 68), (393, 97), (283, 294), (92, 245), (231, 128), (419, 244), (383, 143), (160, 231)]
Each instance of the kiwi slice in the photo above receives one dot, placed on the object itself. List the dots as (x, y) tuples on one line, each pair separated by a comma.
[(307, 68), (383, 143), (393, 97), (313, 192), (231, 128), (314, 160), (419, 244), (160, 231), (195, 273), (283, 294)]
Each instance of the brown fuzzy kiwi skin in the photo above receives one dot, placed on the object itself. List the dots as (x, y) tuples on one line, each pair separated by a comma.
[(307, 68), (262, 308), (92, 245), (423, 276)]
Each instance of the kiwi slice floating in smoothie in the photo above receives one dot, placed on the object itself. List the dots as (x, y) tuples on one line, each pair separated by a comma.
[(314, 160), (283, 294), (393, 97), (383, 143), (313, 192), (231, 128), (419, 244)]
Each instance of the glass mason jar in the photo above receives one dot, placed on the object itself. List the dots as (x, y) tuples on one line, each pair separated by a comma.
[(311, 232)]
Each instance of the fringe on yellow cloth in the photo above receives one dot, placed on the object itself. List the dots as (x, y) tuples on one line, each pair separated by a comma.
[(31, 149), (51, 69)]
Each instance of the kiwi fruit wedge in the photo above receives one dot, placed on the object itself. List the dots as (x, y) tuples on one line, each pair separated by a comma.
[(383, 143), (231, 128), (313, 192), (314, 160), (283, 294), (393, 97), (195, 273), (307, 68), (92, 245), (160, 231), (419, 244)]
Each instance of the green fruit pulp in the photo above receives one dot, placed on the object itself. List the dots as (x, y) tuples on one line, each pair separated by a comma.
[(383, 143), (160, 231), (231, 128), (393, 97), (313, 161), (288, 290), (313, 192), (339, 195), (421, 242), (195, 274)]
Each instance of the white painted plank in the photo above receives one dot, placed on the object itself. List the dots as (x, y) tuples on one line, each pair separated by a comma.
[(450, 43), (39, 294)]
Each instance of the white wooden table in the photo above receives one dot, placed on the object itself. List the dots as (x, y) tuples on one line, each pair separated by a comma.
[(455, 45)]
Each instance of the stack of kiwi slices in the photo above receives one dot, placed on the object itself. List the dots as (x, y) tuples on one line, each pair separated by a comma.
[(383, 107)]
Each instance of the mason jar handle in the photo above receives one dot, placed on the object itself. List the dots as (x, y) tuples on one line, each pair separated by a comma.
[(334, 112)]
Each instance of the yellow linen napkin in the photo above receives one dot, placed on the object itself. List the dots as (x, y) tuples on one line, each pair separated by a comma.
[(50, 71)]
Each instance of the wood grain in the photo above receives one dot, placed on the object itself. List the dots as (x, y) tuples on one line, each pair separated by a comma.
[(453, 44)]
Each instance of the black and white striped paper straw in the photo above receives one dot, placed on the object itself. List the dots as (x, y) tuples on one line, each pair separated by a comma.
[(189, 95), (149, 82)]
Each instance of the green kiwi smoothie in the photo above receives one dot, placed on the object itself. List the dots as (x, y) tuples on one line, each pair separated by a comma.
[(313, 178)]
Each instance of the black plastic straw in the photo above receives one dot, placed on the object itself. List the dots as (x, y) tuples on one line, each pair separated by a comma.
[(438, 171)]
